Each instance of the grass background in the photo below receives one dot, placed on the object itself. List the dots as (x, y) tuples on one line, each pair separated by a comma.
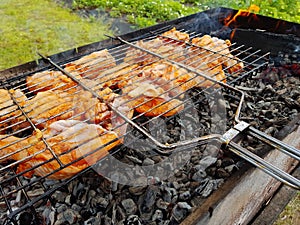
[(145, 13), (27, 26)]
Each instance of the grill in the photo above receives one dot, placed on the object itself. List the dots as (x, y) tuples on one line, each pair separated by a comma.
[(73, 112)]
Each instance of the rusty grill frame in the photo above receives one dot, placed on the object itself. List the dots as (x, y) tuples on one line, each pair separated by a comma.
[(50, 64)]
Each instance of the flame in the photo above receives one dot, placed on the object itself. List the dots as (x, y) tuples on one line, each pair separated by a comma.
[(242, 12)]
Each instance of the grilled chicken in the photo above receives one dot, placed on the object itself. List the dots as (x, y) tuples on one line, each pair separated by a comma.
[(171, 78), (9, 111), (214, 52), (151, 100), (118, 77), (91, 65), (43, 109), (159, 46), (49, 106), (70, 140), (12, 147), (50, 80), (177, 35)]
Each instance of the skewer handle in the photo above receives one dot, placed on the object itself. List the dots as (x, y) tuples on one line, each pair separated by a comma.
[(281, 146), (267, 167), (230, 138)]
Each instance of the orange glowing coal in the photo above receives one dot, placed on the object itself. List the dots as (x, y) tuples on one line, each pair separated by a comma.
[(242, 13)]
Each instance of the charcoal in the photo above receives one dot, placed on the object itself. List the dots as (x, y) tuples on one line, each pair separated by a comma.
[(161, 204), (107, 220), (49, 216), (93, 221), (146, 203), (134, 159), (207, 161), (185, 196), (26, 218), (169, 194), (67, 217), (231, 168), (129, 206), (211, 186), (133, 220), (222, 173), (139, 187), (59, 196), (199, 175), (148, 162), (99, 203), (201, 186), (157, 216), (227, 162), (61, 208), (180, 211)]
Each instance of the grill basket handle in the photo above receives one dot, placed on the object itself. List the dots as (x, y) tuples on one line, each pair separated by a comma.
[(232, 135)]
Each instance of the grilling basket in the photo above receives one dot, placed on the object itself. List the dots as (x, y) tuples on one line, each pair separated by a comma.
[(59, 121)]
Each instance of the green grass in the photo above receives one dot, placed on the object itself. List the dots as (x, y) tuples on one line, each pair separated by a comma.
[(140, 12), (145, 13), (28, 26), (291, 213)]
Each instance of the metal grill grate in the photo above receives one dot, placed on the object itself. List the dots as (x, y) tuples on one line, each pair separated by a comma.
[(106, 97)]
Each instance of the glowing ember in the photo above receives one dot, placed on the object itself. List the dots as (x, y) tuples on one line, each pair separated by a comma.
[(242, 12)]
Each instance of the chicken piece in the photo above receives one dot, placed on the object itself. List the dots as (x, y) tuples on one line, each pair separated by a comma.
[(171, 78), (234, 65), (9, 111), (163, 46), (43, 109), (15, 148), (91, 109), (151, 100), (49, 106), (70, 140), (175, 34), (91, 65), (207, 72), (121, 104), (157, 106), (50, 80), (215, 52), (165, 49), (118, 76)]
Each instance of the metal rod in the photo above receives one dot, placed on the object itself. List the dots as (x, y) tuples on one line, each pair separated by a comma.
[(287, 149), (265, 166)]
